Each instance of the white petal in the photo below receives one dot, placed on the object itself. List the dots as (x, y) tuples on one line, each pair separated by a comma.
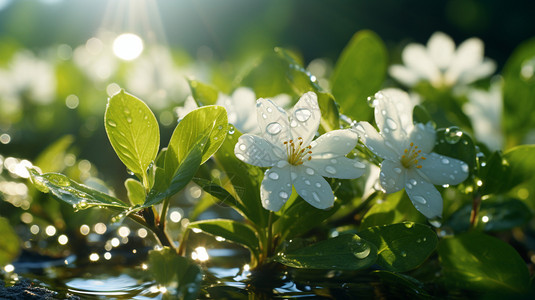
[(441, 49), (424, 196), (375, 142), (392, 176), (313, 188), (393, 106), (305, 118), (486, 68), (276, 187), (334, 143), (243, 104), (273, 122), (337, 167), (469, 55), (256, 151), (423, 136), (404, 75), (439, 169), (415, 57), (189, 105)]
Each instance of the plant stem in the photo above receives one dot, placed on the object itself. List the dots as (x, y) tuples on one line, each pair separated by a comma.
[(476, 203), (269, 249), (182, 245), (163, 215)]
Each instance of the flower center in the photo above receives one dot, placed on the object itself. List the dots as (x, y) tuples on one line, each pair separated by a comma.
[(297, 152), (411, 156)]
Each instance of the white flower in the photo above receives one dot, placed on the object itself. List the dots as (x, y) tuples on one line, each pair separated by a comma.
[(441, 64), (285, 145), (485, 111), (406, 149)]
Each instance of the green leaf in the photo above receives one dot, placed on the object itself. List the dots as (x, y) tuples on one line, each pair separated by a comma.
[(494, 174), (421, 115), (78, 195), (403, 246), (231, 230), (493, 215), (395, 208), (135, 191), (220, 193), (133, 132), (449, 143), (345, 252), (264, 76), (245, 179), (52, 159), (180, 275), (476, 261), (208, 124), (359, 73), (203, 93), (183, 175), (518, 91), (10, 246), (401, 284), (521, 161)]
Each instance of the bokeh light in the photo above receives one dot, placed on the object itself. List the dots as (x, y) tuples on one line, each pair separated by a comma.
[(127, 46)]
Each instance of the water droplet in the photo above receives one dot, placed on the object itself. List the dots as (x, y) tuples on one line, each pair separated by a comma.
[(242, 147), (445, 161), (383, 112), (130, 172), (303, 193), (419, 199), (231, 129), (403, 253), (283, 195), (281, 163), (273, 176), (293, 124), (219, 127), (330, 170), (264, 116), (318, 185), (372, 102), (112, 123), (397, 170), (386, 130), (436, 222), (358, 164), (269, 110), (316, 197), (453, 135), (452, 177), (307, 182), (240, 156), (334, 161), (363, 254), (413, 182), (129, 119), (302, 114), (464, 167), (310, 171), (409, 186), (391, 123), (274, 128)]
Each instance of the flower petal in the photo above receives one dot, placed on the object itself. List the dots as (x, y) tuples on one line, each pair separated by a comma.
[(337, 167), (256, 151), (469, 55), (415, 57), (313, 188), (406, 76), (242, 105), (439, 169), (392, 176), (305, 118), (486, 68), (273, 122), (375, 142), (441, 49), (334, 143), (424, 195), (393, 116), (276, 187), (424, 136)]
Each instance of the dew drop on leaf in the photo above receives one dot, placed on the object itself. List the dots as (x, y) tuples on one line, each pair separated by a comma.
[(112, 123), (453, 135)]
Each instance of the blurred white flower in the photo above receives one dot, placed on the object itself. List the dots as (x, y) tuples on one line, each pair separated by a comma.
[(485, 111), (406, 149), (285, 145), (96, 59), (240, 106), (441, 64)]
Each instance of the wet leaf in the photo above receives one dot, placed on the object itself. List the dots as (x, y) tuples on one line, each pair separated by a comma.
[(401, 284), (521, 165), (395, 208), (52, 159), (180, 275), (202, 92), (449, 143), (476, 261), (133, 132), (231, 230), (135, 191), (78, 195), (403, 246), (359, 73), (345, 252), (10, 245)]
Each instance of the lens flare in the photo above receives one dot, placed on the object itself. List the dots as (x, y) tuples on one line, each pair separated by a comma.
[(127, 46)]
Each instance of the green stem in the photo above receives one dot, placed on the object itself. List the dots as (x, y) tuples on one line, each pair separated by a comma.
[(182, 245), (269, 249), (163, 215), (476, 203)]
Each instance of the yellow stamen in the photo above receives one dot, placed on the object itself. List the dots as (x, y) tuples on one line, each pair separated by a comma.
[(296, 152), (411, 157)]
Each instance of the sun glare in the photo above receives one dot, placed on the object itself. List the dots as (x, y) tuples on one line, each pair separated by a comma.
[(127, 46)]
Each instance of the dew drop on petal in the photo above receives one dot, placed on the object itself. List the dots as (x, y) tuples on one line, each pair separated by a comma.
[(413, 182), (334, 161), (303, 114), (281, 163), (242, 147), (310, 171), (386, 130), (419, 199), (283, 195), (330, 170), (445, 161), (452, 177), (391, 124), (293, 124), (307, 182), (240, 156), (274, 128), (264, 116), (409, 186), (464, 167), (303, 193), (383, 112), (269, 110), (397, 170), (318, 185), (273, 176), (316, 197), (358, 164)]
